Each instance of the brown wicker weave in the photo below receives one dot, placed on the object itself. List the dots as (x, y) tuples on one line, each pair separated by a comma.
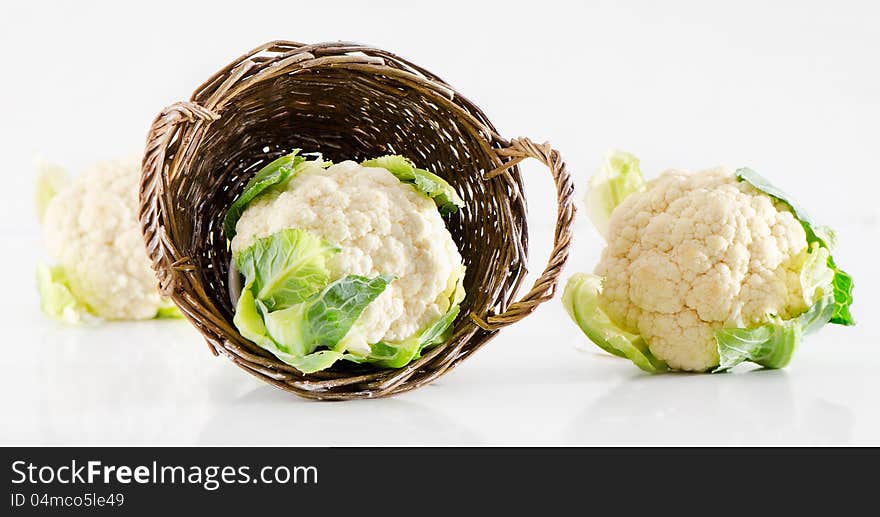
[(346, 101)]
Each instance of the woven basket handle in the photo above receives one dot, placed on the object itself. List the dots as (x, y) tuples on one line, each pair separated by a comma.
[(544, 287), (163, 133)]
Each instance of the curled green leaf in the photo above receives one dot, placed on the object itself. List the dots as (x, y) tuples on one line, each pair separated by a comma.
[(167, 310), (773, 344), (290, 308), (276, 173), (618, 177), (447, 199), (581, 301), (56, 298), (51, 179), (287, 267), (332, 315)]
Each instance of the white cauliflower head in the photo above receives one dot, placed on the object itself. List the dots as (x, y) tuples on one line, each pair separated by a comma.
[(704, 271), (91, 230), (697, 252), (381, 226)]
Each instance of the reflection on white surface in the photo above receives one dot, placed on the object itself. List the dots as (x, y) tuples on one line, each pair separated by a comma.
[(156, 383), (754, 408), (267, 415), (107, 384)]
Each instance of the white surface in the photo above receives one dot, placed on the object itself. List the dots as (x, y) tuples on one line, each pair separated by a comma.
[(791, 90)]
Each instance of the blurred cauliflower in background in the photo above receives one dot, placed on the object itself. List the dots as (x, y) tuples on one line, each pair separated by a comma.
[(91, 231)]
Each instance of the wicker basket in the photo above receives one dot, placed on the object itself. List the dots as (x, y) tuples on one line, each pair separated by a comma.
[(347, 101)]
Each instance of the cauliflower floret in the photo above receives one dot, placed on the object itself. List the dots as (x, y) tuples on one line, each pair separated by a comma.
[(91, 230), (697, 252), (382, 226)]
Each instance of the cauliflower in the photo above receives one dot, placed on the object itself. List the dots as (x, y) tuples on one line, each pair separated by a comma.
[(696, 252), (90, 229), (705, 270), (361, 224)]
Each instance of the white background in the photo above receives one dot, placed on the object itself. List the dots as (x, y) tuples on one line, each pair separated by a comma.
[(791, 89)]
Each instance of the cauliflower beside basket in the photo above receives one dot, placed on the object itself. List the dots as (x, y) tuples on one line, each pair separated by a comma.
[(704, 271), (347, 261), (91, 230)]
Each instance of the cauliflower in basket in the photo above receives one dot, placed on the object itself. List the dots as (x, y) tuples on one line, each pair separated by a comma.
[(347, 261), (91, 230), (703, 271)]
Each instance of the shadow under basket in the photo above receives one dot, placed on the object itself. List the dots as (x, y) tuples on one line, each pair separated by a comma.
[(346, 101)]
